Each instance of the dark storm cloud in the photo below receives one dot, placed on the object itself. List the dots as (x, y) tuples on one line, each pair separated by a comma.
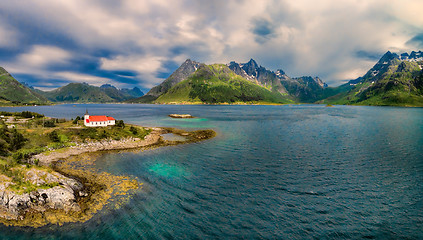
[(263, 29), (416, 40), (372, 56)]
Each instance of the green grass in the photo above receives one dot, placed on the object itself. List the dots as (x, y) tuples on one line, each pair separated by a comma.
[(21, 187)]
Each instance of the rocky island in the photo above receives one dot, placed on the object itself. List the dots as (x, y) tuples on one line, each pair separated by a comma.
[(46, 173), (180, 116)]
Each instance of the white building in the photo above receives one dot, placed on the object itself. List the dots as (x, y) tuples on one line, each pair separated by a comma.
[(98, 121)]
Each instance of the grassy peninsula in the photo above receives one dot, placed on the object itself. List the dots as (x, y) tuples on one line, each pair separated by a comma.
[(46, 173)]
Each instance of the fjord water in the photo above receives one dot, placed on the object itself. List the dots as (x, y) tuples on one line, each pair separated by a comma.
[(272, 172)]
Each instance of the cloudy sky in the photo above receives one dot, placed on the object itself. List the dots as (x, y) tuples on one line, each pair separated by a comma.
[(129, 43)]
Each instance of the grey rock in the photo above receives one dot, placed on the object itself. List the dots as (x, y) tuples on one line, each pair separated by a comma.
[(62, 197)]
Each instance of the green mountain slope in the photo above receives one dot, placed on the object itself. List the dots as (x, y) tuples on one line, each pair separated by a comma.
[(85, 93), (180, 74), (13, 92), (391, 82), (218, 84), (78, 93)]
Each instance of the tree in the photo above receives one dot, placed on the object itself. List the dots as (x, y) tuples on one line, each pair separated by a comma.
[(3, 147), (76, 120), (17, 140), (120, 124), (26, 114)]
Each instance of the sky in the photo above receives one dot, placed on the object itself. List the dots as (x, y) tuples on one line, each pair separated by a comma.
[(129, 43)]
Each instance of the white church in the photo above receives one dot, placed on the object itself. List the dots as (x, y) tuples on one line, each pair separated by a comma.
[(98, 121)]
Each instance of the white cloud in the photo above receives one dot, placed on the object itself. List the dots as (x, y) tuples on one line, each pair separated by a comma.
[(144, 64), (37, 60), (8, 36), (304, 38), (42, 56), (78, 77)]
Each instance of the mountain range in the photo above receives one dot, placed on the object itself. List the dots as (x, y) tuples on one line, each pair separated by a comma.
[(234, 82), (13, 92), (83, 93), (396, 79)]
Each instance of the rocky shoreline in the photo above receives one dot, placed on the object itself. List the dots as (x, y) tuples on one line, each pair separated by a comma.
[(73, 192), (46, 159), (14, 205)]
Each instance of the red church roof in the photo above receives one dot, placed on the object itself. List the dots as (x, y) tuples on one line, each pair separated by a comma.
[(98, 118)]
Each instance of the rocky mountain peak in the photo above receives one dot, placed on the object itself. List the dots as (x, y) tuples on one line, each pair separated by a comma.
[(189, 65), (387, 57), (104, 86), (250, 68), (188, 62), (252, 63), (180, 74), (320, 82), (280, 72), (412, 57)]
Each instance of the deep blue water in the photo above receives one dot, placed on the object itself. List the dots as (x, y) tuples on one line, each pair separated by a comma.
[(273, 172)]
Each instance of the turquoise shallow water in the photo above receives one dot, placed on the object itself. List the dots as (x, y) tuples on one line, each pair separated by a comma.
[(273, 172)]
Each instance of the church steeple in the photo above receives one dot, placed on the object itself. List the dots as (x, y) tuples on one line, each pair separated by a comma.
[(86, 117)]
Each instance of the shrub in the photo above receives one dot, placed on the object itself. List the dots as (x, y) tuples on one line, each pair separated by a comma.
[(133, 130), (49, 123), (76, 120), (120, 124), (54, 136), (3, 147)]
